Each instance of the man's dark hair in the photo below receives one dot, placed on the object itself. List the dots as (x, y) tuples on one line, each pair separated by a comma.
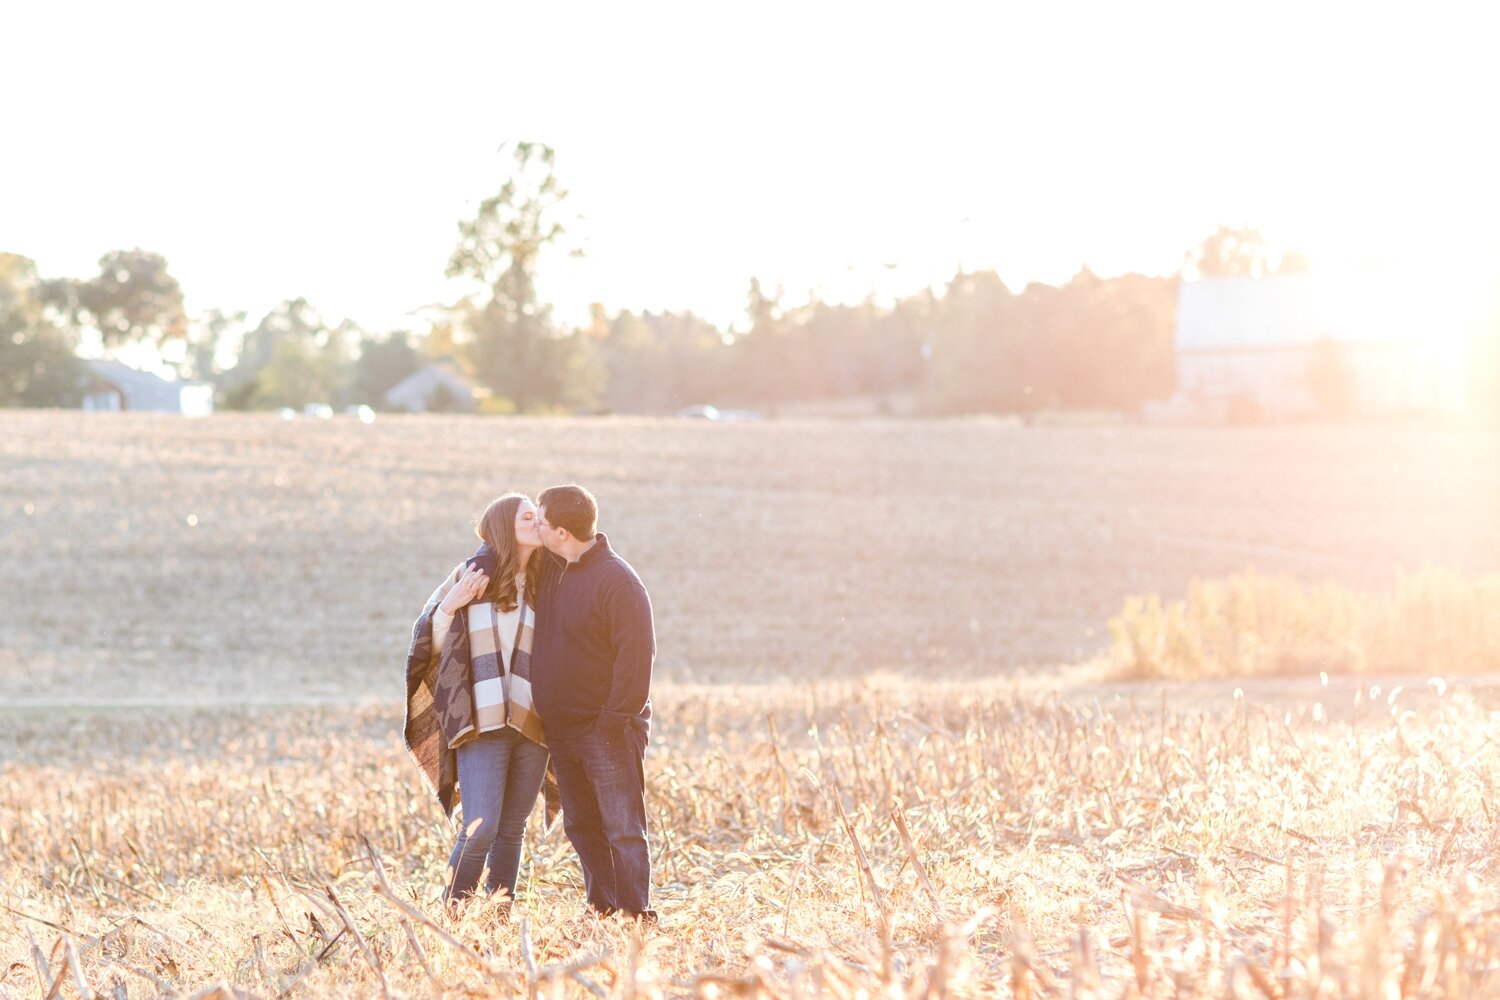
[(570, 507)]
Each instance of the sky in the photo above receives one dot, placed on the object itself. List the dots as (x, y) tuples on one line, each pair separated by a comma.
[(328, 150)]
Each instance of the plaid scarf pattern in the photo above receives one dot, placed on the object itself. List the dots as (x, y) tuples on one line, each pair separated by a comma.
[(501, 663), (440, 707)]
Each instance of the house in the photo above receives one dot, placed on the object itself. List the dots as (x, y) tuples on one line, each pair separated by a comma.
[(112, 387), (1370, 342), (434, 388)]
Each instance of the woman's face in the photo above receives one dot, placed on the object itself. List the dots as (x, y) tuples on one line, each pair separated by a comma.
[(527, 530)]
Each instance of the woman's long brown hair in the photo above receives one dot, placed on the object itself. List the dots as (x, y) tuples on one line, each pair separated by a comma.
[(497, 529)]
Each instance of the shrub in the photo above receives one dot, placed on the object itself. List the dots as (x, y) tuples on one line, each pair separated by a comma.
[(1433, 620)]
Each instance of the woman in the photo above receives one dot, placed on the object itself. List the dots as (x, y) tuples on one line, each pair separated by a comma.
[(473, 674)]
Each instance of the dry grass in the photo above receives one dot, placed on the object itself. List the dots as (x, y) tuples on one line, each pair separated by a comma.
[(1055, 844), (1252, 624), (847, 834), (772, 550)]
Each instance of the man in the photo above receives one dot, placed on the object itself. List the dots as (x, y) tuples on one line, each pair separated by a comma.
[(591, 682)]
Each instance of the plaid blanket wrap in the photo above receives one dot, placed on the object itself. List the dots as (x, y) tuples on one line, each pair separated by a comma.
[(440, 710), (502, 693)]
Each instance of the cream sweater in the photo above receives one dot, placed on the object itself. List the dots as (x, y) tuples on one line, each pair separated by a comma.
[(505, 620)]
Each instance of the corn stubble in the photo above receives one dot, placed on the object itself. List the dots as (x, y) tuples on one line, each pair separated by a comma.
[(889, 839)]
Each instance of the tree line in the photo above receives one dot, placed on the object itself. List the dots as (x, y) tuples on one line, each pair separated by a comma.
[(974, 345)]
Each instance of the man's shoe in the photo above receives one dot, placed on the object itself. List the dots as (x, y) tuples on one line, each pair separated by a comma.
[(646, 918)]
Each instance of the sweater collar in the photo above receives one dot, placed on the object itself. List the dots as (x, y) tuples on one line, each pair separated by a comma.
[(599, 550)]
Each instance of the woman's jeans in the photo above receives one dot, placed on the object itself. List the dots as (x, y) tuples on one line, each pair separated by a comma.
[(499, 776)]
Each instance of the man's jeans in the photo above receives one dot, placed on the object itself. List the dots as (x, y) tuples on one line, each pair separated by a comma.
[(603, 788), (499, 776)]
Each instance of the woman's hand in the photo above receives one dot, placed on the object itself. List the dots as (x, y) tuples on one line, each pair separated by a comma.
[(465, 591)]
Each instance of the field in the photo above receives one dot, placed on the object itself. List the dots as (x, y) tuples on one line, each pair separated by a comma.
[(889, 758), (248, 559)]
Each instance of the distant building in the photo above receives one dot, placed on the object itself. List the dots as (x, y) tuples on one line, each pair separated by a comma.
[(434, 388), (1370, 342), (113, 387)]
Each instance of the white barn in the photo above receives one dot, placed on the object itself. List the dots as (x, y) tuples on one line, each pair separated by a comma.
[(113, 387), (1281, 344)]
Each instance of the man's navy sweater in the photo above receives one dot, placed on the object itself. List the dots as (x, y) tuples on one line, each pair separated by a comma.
[(594, 646)]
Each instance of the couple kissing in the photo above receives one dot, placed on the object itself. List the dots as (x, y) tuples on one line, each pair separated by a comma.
[(529, 675)]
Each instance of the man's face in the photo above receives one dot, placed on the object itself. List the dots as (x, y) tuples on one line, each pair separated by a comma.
[(551, 536)]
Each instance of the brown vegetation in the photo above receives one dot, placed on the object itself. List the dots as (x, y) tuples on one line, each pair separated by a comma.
[(1250, 624), (901, 840), (929, 835)]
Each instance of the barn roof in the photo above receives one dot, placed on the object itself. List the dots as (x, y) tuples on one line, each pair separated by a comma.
[(142, 390), (416, 389), (1360, 306)]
